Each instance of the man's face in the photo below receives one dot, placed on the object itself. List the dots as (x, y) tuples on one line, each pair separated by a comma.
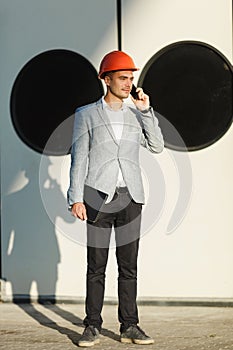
[(120, 83)]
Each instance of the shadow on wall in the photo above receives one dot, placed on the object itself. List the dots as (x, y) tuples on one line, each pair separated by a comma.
[(31, 249)]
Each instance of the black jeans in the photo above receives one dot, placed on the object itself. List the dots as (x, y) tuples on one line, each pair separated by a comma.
[(124, 215)]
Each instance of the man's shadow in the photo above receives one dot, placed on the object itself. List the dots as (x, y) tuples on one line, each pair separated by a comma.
[(31, 249), (68, 316), (45, 321)]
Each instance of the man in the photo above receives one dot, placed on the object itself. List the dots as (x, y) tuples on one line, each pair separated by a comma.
[(105, 156)]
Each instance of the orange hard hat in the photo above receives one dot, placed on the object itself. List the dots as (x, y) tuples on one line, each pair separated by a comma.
[(116, 60)]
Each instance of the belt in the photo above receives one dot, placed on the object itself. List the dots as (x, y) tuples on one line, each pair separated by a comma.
[(121, 189)]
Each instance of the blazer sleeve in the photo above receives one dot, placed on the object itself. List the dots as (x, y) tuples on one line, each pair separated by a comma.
[(152, 137), (79, 159)]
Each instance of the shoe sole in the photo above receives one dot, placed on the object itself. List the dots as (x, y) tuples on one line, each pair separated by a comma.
[(88, 344), (137, 341)]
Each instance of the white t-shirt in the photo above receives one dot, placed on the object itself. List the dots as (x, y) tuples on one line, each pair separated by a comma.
[(117, 122)]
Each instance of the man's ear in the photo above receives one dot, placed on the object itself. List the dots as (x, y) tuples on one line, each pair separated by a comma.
[(107, 80)]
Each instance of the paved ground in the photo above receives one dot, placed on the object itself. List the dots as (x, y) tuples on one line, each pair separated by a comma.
[(50, 327)]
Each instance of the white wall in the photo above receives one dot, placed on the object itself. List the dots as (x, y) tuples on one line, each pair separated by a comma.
[(196, 259), (37, 256)]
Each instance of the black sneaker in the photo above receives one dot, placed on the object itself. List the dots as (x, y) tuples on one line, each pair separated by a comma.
[(135, 334), (90, 337)]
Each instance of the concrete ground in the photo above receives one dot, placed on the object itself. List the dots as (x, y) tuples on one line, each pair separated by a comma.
[(54, 327)]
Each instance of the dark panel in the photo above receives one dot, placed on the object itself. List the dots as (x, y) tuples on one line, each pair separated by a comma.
[(119, 25), (46, 92), (190, 84)]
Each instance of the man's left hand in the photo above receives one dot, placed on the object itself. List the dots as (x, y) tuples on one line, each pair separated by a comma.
[(143, 101)]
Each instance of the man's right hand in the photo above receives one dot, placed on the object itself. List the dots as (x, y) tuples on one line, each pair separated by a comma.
[(79, 211)]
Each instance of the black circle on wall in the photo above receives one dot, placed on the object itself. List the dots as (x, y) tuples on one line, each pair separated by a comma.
[(46, 92), (190, 84)]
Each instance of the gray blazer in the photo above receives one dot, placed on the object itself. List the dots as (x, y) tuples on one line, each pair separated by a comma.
[(96, 155)]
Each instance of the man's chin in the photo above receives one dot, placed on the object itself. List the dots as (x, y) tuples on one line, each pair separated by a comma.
[(126, 95)]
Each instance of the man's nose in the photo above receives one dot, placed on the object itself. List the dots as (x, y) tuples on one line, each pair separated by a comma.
[(129, 83)]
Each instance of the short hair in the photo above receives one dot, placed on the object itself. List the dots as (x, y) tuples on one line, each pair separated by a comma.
[(108, 74)]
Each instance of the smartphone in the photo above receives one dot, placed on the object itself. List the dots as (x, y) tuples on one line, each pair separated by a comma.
[(134, 93)]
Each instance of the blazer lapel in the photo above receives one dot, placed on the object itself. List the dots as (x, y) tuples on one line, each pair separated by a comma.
[(106, 120), (127, 122)]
